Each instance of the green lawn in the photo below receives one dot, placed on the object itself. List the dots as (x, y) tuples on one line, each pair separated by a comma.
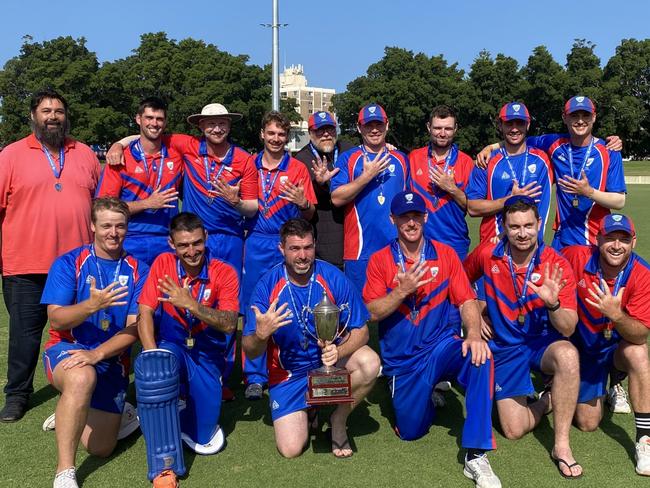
[(27, 456), (636, 168)]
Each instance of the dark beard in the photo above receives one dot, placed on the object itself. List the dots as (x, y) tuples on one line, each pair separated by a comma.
[(54, 135)]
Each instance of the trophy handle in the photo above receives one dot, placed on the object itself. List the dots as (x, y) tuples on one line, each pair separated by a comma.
[(340, 332)]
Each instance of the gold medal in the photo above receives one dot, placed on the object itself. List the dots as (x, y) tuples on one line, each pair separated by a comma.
[(189, 342), (607, 333), (575, 202), (105, 323), (521, 319), (381, 199)]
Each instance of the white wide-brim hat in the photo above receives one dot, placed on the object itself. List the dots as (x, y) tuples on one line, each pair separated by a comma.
[(213, 110)]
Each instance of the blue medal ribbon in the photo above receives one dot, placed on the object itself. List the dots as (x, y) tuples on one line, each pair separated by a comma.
[(576, 199), (402, 264), (380, 178), (55, 171), (294, 309), (521, 182), (267, 183), (450, 155), (157, 169), (189, 318), (100, 275), (618, 282), (520, 295)]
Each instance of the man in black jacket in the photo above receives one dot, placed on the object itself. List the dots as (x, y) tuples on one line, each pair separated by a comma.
[(319, 156)]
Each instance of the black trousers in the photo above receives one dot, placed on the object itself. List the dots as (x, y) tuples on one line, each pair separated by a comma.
[(27, 318)]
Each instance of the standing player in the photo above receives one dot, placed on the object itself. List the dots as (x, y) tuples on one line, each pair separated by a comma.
[(277, 321), (412, 283), (285, 192), (219, 185), (319, 155), (47, 181), (148, 181), (91, 296), (514, 169), (369, 176), (188, 306), (613, 326), (440, 173), (531, 304)]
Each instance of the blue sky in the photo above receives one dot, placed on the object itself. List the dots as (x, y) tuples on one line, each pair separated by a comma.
[(335, 40)]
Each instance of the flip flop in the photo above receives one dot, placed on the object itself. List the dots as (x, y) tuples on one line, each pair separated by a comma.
[(340, 446), (558, 461)]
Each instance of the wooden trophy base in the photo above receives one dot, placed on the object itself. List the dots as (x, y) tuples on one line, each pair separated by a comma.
[(329, 387)]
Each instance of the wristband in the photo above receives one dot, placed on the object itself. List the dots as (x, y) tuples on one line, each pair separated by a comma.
[(553, 308)]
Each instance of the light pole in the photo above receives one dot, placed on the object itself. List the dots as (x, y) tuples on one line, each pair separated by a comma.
[(275, 65)]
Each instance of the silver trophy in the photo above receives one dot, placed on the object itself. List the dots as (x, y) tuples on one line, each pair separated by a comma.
[(328, 384)]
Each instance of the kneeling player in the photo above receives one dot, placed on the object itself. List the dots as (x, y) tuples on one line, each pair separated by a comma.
[(289, 334), (191, 302), (91, 296), (411, 285), (613, 326)]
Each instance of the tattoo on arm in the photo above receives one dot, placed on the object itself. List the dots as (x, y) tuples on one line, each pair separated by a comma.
[(223, 320)]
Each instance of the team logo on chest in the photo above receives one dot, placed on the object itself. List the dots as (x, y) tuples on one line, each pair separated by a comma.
[(535, 277), (283, 179), (532, 168), (123, 279), (419, 172), (391, 169), (582, 283), (434, 271), (495, 269), (505, 175), (138, 169), (589, 162), (206, 294), (170, 165)]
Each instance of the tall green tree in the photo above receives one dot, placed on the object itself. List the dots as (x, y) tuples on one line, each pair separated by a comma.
[(544, 97), (583, 71), (64, 64), (626, 96), (407, 85)]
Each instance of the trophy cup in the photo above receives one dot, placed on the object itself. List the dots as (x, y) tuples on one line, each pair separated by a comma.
[(328, 384)]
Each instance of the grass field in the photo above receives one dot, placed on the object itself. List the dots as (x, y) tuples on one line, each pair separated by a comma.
[(636, 168), (27, 455)]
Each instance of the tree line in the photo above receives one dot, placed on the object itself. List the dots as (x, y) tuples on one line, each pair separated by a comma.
[(190, 73)]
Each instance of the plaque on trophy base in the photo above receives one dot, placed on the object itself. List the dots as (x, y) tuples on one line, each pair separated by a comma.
[(329, 386)]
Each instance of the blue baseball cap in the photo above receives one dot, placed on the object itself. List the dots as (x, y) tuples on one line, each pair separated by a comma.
[(514, 111), (321, 119), (372, 112), (407, 201), (579, 103), (617, 222)]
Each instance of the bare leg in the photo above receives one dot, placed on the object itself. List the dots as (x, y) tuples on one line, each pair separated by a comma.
[(517, 418), (291, 433), (561, 361), (99, 437), (633, 359), (363, 366), (76, 386)]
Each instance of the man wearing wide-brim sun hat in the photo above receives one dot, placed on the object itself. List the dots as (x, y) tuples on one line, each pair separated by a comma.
[(219, 185)]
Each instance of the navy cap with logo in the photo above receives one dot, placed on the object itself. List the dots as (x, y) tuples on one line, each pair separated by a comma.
[(514, 111), (321, 119), (372, 112), (579, 103), (617, 222), (407, 201)]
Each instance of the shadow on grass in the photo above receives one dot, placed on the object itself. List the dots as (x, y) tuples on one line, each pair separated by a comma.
[(618, 433), (93, 463), (41, 396)]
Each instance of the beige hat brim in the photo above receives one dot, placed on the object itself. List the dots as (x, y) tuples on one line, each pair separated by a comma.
[(194, 119)]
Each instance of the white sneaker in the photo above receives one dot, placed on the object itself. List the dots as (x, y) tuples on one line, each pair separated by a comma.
[(479, 470), (213, 446), (643, 456), (128, 424), (617, 399), (66, 479)]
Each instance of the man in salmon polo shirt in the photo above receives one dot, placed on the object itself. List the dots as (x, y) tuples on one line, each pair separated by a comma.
[(47, 181)]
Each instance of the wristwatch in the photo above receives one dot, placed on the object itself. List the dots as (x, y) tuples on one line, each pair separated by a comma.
[(553, 308)]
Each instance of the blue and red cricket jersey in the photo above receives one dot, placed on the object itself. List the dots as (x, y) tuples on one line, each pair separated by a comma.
[(420, 322), (287, 355), (366, 224), (201, 169), (216, 286), (138, 178), (68, 283), (496, 181), (635, 279), (492, 262), (273, 210), (446, 222), (604, 170)]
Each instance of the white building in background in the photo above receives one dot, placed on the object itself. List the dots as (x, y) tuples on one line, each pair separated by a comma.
[(309, 99)]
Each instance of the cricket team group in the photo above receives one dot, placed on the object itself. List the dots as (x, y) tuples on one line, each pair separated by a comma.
[(109, 259)]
